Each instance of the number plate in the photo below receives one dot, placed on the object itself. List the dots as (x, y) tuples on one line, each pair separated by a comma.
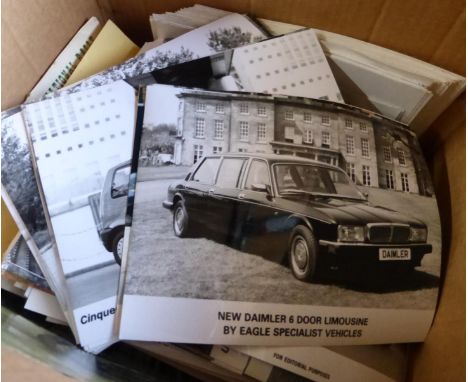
[(389, 254)]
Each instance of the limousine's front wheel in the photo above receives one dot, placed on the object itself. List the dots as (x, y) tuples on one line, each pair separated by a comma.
[(180, 221), (303, 253)]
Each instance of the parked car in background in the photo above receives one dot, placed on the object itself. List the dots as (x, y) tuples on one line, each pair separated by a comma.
[(306, 212)]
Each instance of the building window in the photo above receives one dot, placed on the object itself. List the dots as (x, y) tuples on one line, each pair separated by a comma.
[(308, 136), (197, 152), (200, 107), (387, 154), (261, 132), (390, 180), (219, 108), (363, 127), (351, 171), (261, 111), (326, 120), (401, 157), (404, 182), (244, 108), (365, 147), (349, 145), (289, 115), (200, 128), (366, 181), (326, 140), (348, 124), (244, 131), (289, 134), (217, 149), (219, 129), (307, 117), (241, 150)]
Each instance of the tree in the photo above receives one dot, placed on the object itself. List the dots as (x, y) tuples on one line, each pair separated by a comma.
[(19, 180), (156, 140), (136, 66), (229, 38)]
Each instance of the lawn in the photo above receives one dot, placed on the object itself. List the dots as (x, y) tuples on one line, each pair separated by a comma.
[(160, 264)]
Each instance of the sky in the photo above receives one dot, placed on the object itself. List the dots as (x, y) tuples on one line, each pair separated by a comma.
[(161, 105)]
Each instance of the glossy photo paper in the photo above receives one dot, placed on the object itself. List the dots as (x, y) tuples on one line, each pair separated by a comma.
[(272, 220)]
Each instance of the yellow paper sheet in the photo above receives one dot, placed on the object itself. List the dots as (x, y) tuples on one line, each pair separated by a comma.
[(9, 229), (111, 47)]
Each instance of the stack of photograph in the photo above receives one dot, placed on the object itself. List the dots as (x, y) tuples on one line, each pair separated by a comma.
[(239, 199)]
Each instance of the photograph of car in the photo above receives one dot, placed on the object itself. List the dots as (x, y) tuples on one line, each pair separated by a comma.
[(111, 209), (304, 213), (279, 200)]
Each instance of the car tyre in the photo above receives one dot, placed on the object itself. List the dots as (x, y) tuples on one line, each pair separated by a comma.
[(303, 254), (181, 221), (117, 246)]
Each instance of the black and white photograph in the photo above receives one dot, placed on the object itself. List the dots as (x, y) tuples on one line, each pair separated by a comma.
[(293, 64), (383, 363), (77, 139), (20, 263), (84, 169), (22, 198), (225, 33), (22, 189), (280, 200)]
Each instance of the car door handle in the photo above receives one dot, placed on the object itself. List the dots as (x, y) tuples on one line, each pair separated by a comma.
[(241, 195), (211, 191)]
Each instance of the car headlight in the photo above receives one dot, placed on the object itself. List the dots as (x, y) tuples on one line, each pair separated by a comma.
[(418, 235), (350, 233)]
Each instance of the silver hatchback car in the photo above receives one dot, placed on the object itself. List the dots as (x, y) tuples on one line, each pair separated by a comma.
[(112, 207)]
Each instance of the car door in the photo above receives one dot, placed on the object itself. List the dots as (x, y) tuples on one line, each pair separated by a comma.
[(225, 194), (198, 188), (258, 216)]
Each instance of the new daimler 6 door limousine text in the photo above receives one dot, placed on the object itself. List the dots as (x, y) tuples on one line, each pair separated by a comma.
[(297, 209)]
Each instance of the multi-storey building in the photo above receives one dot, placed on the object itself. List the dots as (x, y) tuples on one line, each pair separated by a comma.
[(319, 131), (210, 123), (374, 151), (77, 138), (395, 163)]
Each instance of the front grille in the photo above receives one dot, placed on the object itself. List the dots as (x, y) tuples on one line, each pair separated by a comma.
[(388, 233), (380, 234), (400, 234)]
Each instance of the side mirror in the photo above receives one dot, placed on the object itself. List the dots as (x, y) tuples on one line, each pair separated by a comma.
[(260, 187)]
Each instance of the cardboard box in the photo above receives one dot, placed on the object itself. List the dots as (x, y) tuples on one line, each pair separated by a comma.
[(33, 34)]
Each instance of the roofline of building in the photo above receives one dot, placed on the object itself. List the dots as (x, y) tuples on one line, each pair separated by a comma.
[(297, 101)]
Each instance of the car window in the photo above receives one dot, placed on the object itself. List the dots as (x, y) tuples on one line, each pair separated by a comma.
[(229, 173), (206, 173), (258, 174), (120, 182), (303, 178)]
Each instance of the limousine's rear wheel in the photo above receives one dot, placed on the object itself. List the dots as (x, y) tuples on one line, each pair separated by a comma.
[(181, 220), (303, 253)]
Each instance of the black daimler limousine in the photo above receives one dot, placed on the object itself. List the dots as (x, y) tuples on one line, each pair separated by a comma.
[(294, 209)]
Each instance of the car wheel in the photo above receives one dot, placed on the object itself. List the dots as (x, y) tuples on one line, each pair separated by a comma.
[(180, 222), (303, 254), (117, 246)]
